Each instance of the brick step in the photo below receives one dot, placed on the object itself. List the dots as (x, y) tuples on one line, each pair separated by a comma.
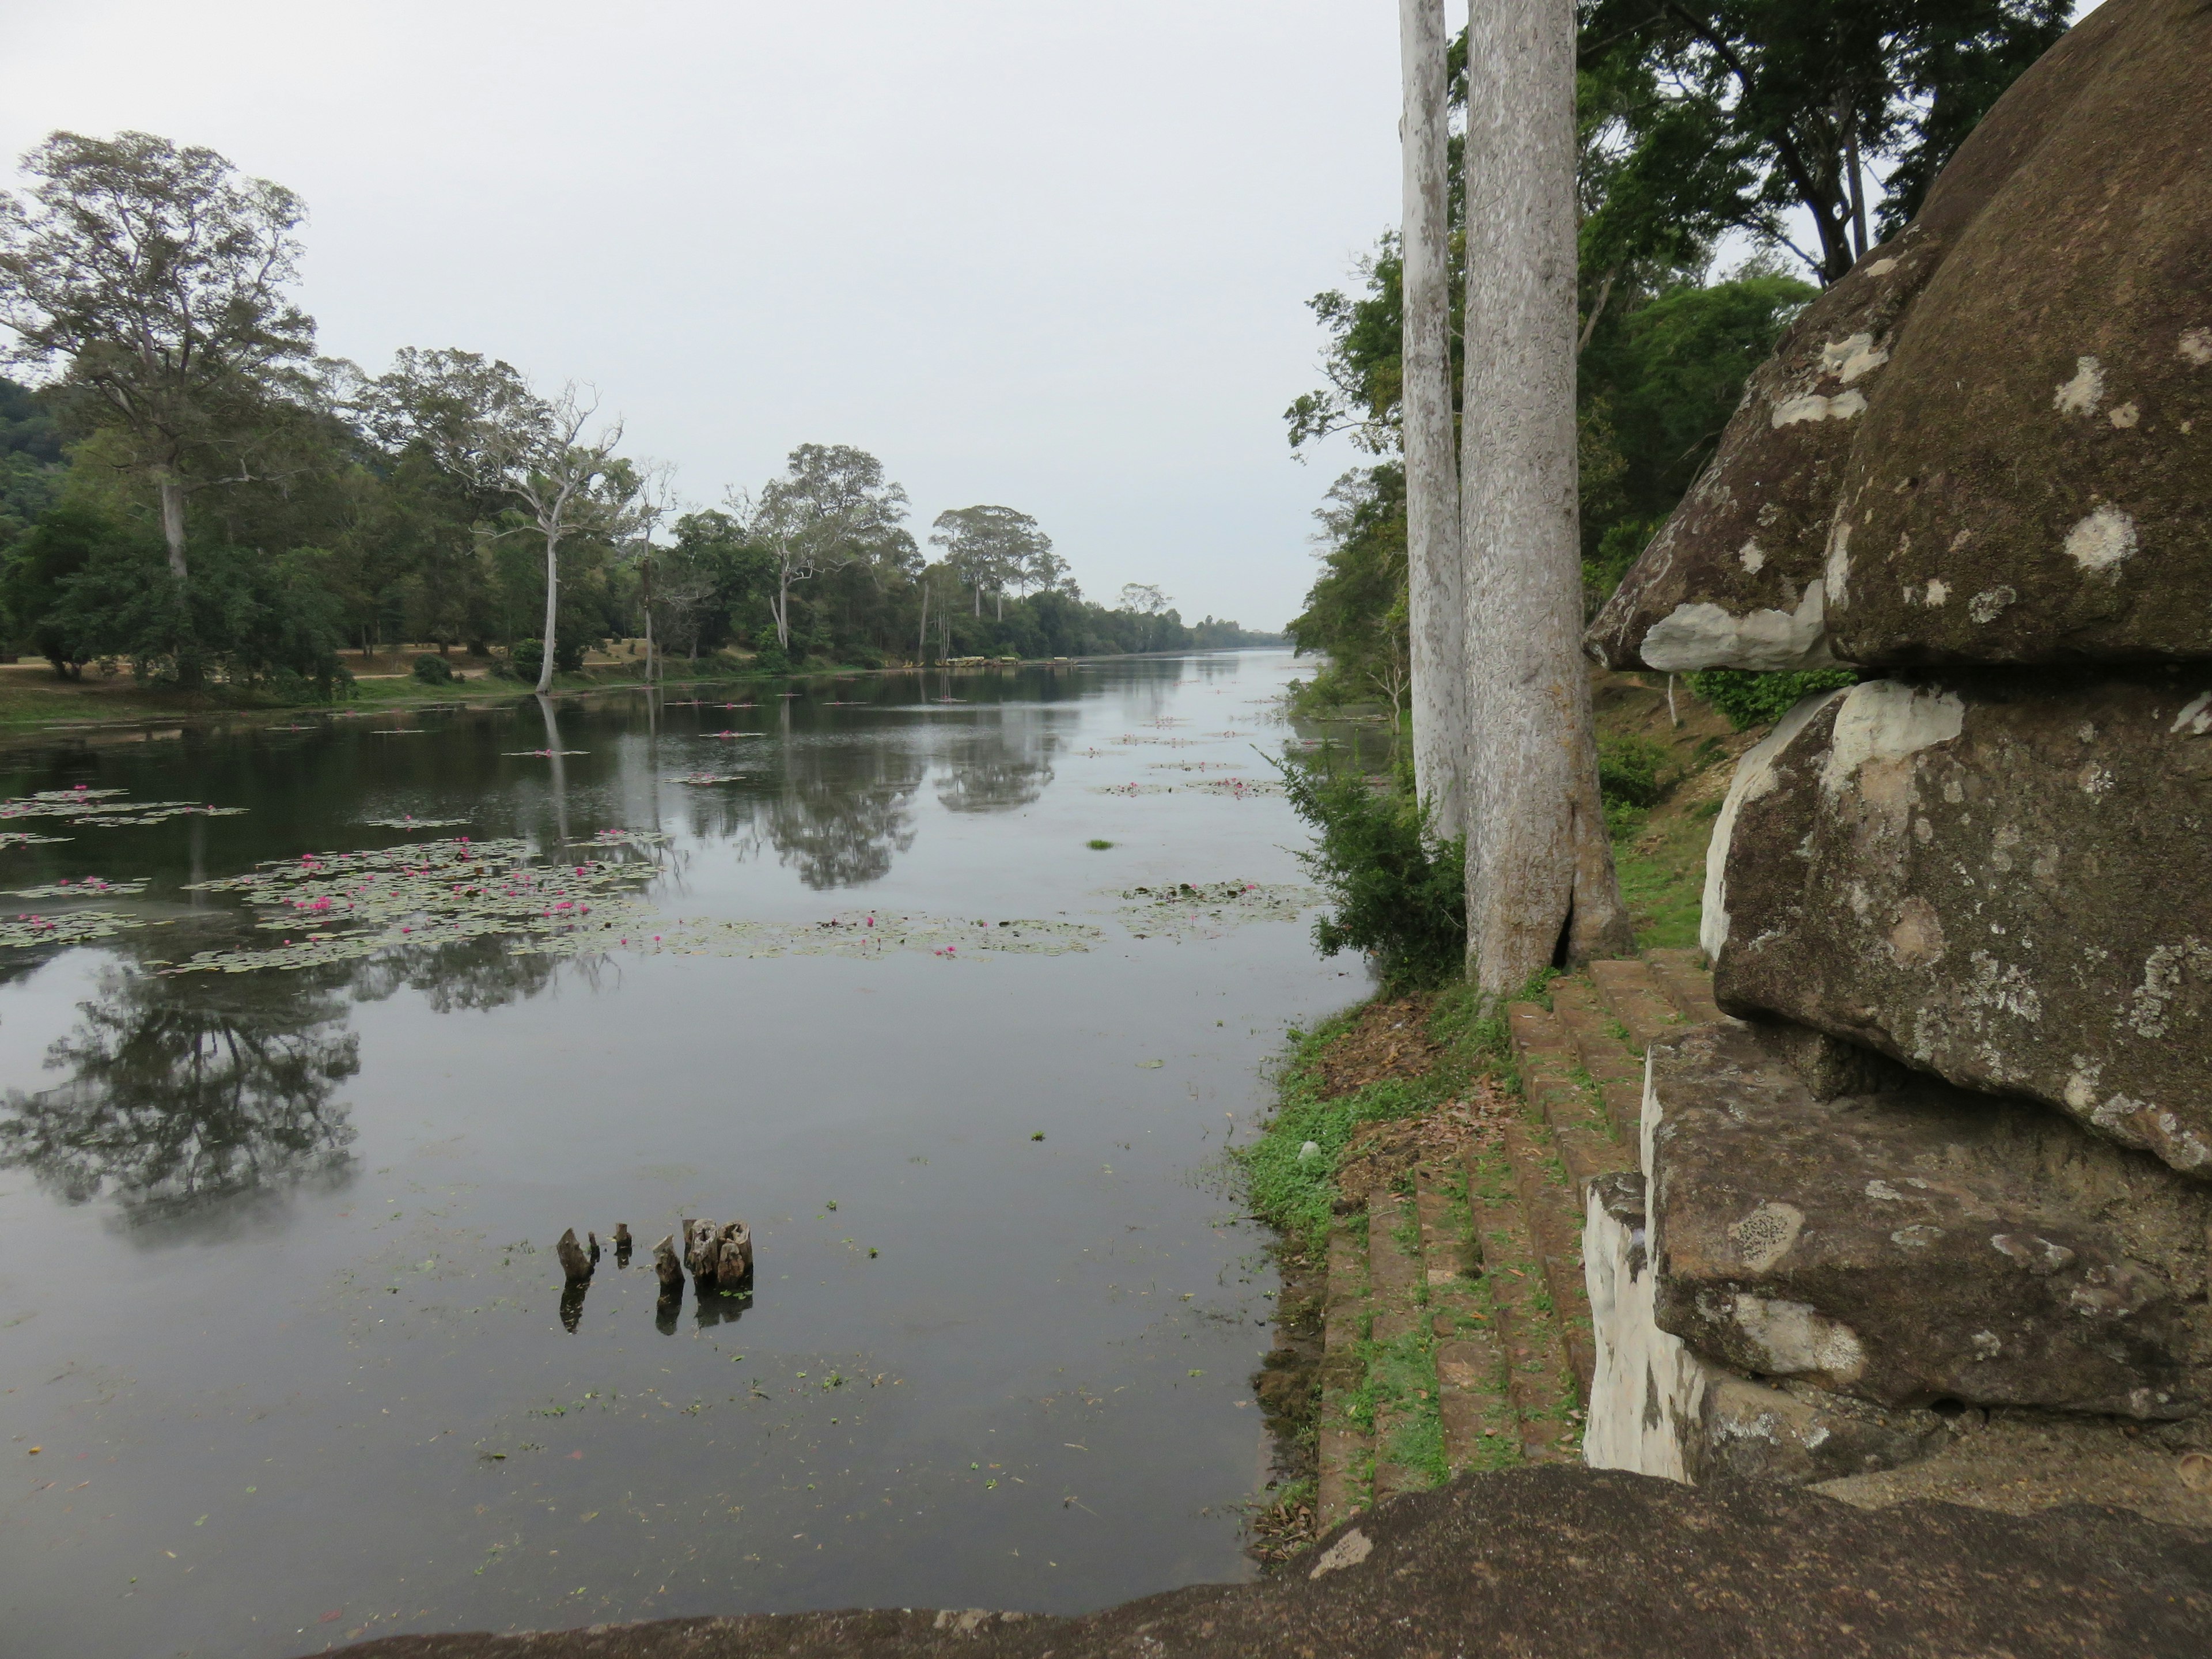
[(1551, 1214), (1343, 1448), (1588, 1142), (1607, 1056), (1540, 1378), (1686, 983), (1480, 1428), (1632, 992), (1397, 1277)]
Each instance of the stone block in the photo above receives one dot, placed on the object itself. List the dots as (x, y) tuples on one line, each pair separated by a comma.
[(1918, 1246), (1991, 442), (1997, 879), (1659, 1408)]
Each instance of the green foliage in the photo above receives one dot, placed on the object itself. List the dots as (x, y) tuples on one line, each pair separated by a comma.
[(433, 669), (1708, 114), (1292, 1189), (1751, 699), (1355, 613), (1636, 771), (770, 659), (527, 658), (1399, 895)]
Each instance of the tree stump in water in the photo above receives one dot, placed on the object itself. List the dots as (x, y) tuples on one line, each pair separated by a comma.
[(733, 1257), (574, 1264), (670, 1269)]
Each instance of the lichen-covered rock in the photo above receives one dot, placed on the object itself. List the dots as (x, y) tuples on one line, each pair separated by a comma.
[(1912, 1247), (2033, 483), (1997, 878), (1992, 441)]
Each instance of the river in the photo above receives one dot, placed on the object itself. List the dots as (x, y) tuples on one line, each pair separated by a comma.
[(279, 1308)]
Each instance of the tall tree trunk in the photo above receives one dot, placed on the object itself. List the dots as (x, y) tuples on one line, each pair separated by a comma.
[(782, 607), (1435, 582), (552, 602), (1541, 887), (1858, 190), (922, 645), (171, 491), (645, 570)]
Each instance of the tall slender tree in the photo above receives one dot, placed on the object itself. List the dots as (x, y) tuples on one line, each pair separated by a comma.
[(1540, 882), (1435, 590)]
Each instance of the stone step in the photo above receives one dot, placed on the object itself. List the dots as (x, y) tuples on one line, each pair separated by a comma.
[(1539, 1381), (1686, 982), (1631, 992), (1343, 1448)]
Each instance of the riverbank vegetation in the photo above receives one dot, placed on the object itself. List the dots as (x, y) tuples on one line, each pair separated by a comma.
[(191, 494)]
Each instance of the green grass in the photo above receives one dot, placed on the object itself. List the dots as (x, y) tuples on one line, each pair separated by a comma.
[(1097, 845)]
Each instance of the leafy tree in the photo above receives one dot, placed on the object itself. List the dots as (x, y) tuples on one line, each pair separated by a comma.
[(831, 508), (153, 280), (1721, 113), (996, 548)]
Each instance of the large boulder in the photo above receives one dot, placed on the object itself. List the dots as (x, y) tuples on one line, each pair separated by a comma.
[(1916, 1246), (1991, 442), (1998, 879)]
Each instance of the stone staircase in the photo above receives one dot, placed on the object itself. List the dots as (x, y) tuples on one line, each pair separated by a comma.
[(1456, 1328)]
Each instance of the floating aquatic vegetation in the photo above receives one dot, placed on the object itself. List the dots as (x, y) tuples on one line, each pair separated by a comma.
[(1132, 788), (409, 821), (1192, 765), (855, 933), (25, 838), (1240, 789), (1169, 742), (100, 809), (397, 731), (338, 907), (70, 928), (731, 734), (1208, 909), (84, 887), (702, 778), (539, 754)]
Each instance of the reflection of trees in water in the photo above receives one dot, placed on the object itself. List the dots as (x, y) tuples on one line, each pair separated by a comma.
[(1005, 764), (842, 814), (469, 975), (185, 1091)]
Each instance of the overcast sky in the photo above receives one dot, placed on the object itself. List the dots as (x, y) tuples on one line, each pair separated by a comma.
[(1030, 251)]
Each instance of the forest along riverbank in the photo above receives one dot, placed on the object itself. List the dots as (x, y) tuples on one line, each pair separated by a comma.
[(1424, 1168), (279, 1184)]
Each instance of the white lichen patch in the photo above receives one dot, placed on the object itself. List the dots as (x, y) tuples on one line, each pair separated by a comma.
[(1837, 573), (1794, 1339), (1887, 721), (1813, 406), (1704, 636), (2196, 347), (1752, 557), (2125, 417), (2196, 716), (2099, 543), (2082, 394), (1850, 358), (1988, 605), (1939, 592)]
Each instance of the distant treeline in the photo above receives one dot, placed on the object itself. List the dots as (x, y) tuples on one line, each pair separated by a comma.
[(192, 491)]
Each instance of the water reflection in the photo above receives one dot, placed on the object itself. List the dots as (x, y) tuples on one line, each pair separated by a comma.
[(843, 812), (186, 1093)]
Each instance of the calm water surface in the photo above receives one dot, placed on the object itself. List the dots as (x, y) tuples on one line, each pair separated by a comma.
[(279, 1304)]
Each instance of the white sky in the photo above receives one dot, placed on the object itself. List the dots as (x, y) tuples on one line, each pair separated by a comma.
[(1030, 251)]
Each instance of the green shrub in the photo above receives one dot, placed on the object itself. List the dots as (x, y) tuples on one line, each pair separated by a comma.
[(433, 669), (1750, 699), (1399, 894), (528, 658), (1634, 771), (771, 660)]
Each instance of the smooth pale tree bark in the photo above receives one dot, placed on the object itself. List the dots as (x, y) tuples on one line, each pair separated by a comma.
[(1541, 884), (1436, 597)]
